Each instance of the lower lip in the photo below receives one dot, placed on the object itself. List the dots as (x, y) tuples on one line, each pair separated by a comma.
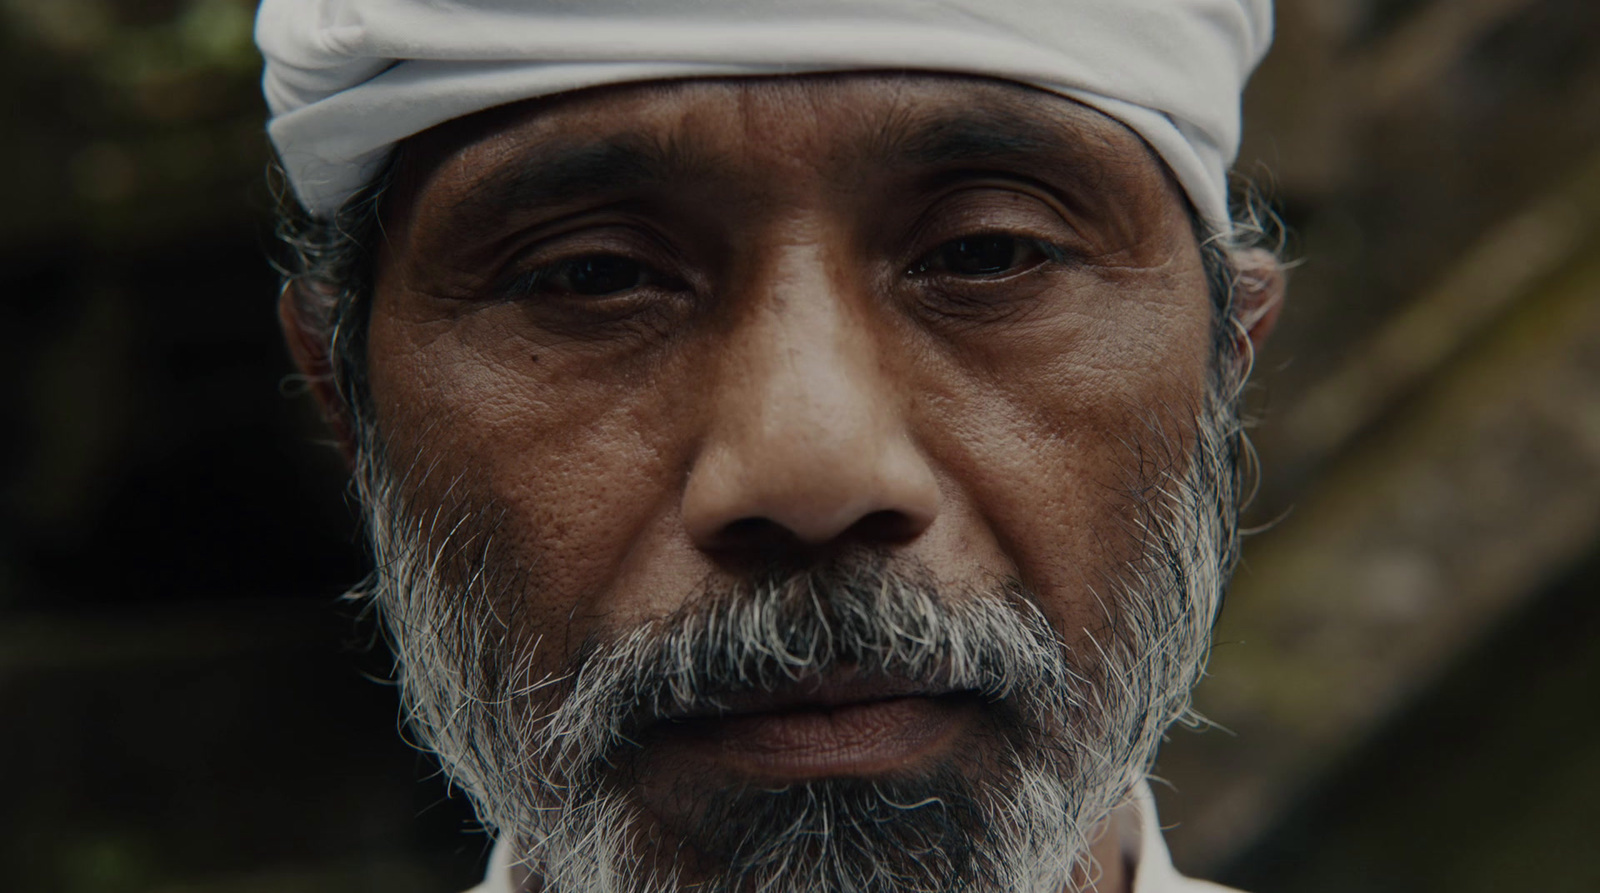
[(872, 738)]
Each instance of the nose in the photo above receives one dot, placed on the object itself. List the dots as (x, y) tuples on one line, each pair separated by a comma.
[(808, 441)]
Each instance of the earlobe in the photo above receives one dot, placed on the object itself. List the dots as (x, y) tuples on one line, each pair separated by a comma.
[(1258, 293), (306, 334)]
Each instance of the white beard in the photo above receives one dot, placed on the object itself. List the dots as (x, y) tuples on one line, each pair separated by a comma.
[(1081, 728)]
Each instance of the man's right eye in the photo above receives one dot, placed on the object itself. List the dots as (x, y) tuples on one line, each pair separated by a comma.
[(591, 276), (979, 256)]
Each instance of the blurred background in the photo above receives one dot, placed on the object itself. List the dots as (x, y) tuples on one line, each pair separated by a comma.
[(1408, 668)]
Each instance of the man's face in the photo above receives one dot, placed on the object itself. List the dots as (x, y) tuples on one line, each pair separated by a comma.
[(795, 481)]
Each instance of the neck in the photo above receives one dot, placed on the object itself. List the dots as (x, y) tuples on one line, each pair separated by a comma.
[(1115, 839)]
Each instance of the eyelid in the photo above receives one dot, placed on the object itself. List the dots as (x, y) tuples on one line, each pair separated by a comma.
[(928, 232), (525, 282), (623, 238), (1052, 253), (1022, 187), (544, 256)]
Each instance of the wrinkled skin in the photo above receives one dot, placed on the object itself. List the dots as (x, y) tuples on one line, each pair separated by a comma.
[(781, 318)]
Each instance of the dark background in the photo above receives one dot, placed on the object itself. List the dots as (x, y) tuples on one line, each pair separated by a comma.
[(1407, 670)]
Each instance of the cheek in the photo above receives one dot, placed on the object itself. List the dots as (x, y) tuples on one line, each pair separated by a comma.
[(1054, 436), (578, 477)]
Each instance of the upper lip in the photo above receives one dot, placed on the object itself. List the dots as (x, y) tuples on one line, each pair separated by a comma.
[(810, 693)]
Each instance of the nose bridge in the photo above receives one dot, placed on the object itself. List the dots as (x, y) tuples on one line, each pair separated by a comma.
[(808, 430), (809, 371)]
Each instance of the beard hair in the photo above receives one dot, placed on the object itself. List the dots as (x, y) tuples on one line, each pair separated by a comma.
[(1071, 730)]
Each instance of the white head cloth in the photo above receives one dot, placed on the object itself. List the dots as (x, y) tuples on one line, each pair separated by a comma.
[(348, 79)]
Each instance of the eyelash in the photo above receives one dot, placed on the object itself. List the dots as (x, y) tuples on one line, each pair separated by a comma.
[(1004, 251), (1048, 252), (559, 280)]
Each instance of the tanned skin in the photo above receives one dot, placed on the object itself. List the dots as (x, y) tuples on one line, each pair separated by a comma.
[(671, 330)]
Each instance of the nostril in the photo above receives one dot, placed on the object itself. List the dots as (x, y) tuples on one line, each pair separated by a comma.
[(884, 526), (764, 535), (756, 533)]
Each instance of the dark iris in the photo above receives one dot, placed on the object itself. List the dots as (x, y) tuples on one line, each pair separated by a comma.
[(602, 274), (979, 255)]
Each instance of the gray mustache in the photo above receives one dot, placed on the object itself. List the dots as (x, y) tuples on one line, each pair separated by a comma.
[(875, 621)]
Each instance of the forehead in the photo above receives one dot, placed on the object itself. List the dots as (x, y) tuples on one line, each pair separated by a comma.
[(842, 129)]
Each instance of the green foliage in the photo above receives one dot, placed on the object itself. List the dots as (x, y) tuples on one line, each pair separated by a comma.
[(120, 102)]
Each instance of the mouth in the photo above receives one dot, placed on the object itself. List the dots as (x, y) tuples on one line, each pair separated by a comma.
[(819, 728)]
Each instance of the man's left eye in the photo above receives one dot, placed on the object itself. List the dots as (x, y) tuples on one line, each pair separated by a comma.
[(595, 276), (984, 256)]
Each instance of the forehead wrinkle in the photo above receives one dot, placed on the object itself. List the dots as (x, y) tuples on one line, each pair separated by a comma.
[(547, 162), (995, 124), (1110, 168), (1107, 170), (968, 136), (546, 174)]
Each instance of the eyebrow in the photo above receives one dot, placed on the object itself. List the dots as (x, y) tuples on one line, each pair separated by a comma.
[(972, 136), (559, 173)]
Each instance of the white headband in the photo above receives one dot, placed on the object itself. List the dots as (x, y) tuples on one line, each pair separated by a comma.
[(348, 79)]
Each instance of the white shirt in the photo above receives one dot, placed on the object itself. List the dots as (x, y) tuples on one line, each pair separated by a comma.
[(1155, 873), (1146, 850)]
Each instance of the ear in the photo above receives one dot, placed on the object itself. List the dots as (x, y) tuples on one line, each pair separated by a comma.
[(1258, 293), (306, 333)]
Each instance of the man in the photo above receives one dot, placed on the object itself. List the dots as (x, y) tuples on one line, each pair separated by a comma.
[(798, 439)]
